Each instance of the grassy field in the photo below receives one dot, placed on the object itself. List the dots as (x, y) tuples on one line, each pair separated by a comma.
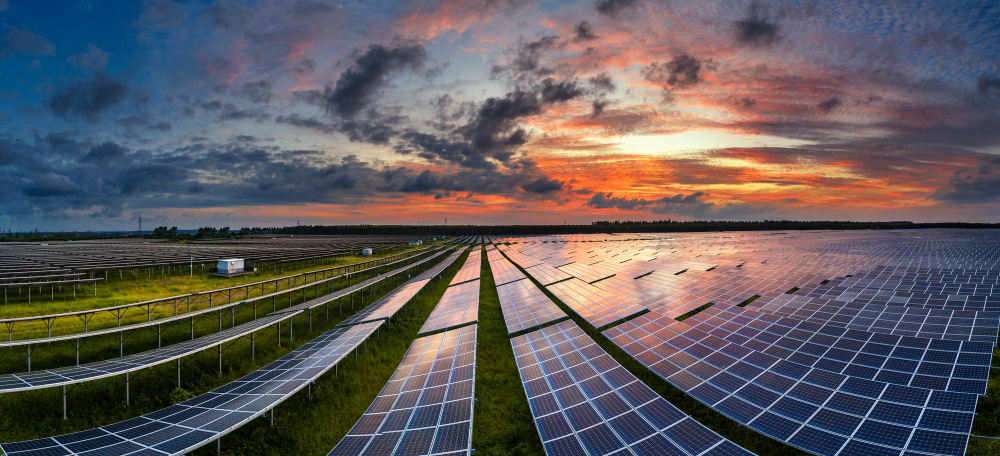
[(132, 290), (102, 402), (502, 423)]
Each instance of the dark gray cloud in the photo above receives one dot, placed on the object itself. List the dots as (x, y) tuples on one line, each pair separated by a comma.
[(50, 185), (986, 84), (683, 71), (372, 128), (584, 32), (690, 205), (257, 91), (597, 107), (105, 153), (829, 104), (87, 98), (526, 63), (18, 41), (434, 148), (231, 113), (357, 87), (305, 66), (543, 185), (613, 7), (161, 127), (602, 200), (972, 186), (602, 82), (93, 59), (756, 29), (311, 123), (940, 38)]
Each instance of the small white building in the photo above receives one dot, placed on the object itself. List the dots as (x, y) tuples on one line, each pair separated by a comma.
[(416, 242), (366, 252), (231, 266)]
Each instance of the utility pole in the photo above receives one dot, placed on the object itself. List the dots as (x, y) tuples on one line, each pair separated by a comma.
[(140, 225)]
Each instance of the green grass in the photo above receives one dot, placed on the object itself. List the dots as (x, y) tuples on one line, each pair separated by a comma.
[(502, 422), (299, 429), (747, 301), (792, 290)]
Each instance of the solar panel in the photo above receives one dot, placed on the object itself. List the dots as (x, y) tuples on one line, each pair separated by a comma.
[(817, 410), (426, 406), (525, 306), (459, 305), (591, 304), (117, 366), (584, 402), (387, 306), (980, 326), (471, 269), (547, 274), (503, 270), (196, 422), (934, 364)]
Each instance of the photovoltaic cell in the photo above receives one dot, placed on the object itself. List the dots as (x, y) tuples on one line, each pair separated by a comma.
[(459, 305), (525, 306), (591, 304), (584, 402), (817, 410), (426, 407), (471, 269), (503, 270)]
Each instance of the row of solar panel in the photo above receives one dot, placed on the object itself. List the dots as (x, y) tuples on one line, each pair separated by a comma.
[(426, 406), (181, 428)]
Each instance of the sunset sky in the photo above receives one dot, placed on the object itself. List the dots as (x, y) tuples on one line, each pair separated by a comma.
[(267, 113)]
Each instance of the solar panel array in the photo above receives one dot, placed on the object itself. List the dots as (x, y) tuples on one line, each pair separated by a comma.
[(585, 403), (893, 319), (184, 427), (836, 343), (104, 254), (525, 306), (849, 342), (426, 407), (809, 406)]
